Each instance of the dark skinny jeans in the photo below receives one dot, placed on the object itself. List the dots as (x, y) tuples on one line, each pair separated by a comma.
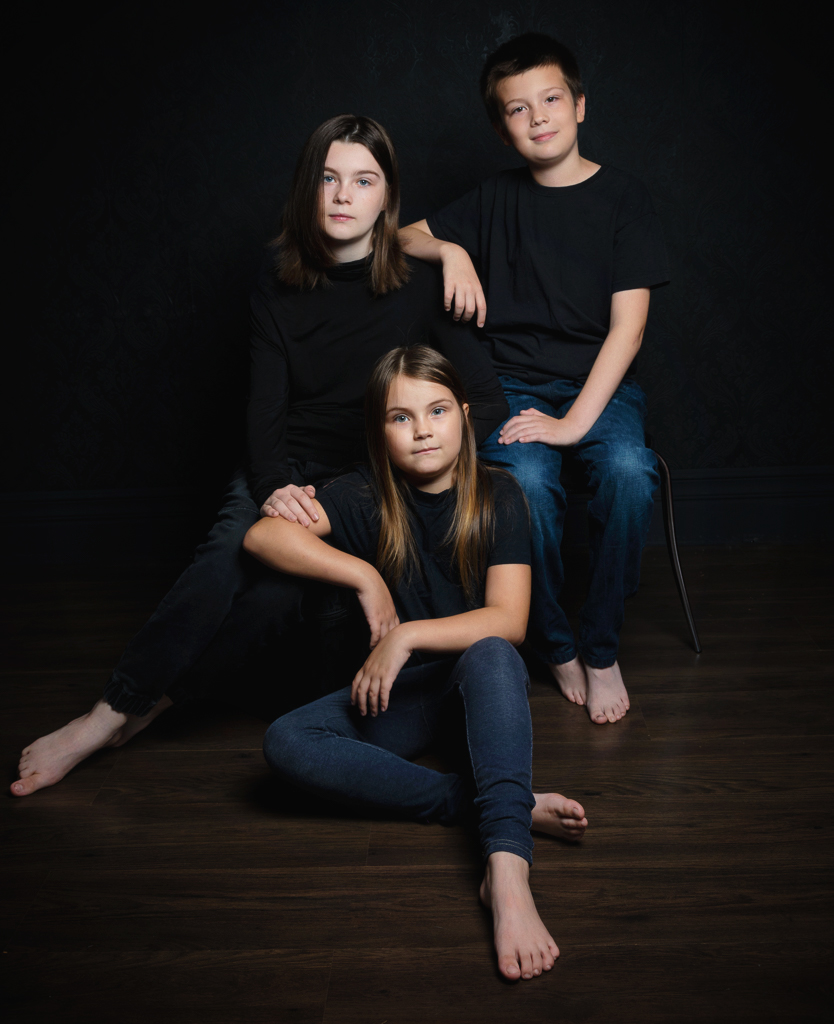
[(223, 604), (328, 749)]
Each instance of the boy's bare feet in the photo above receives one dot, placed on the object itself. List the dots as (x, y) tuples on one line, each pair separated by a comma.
[(558, 816), (607, 697), (571, 680), (523, 944), (48, 759)]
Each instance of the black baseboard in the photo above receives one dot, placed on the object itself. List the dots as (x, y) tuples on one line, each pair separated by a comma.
[(712, 506)]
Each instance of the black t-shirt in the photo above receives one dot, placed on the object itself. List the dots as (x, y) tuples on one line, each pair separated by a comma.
[(312, 354), (550, 259), (435, 590)]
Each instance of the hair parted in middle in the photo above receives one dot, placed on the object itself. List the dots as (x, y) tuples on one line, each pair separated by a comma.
[(532, 50), (473, 521), (304, 250)]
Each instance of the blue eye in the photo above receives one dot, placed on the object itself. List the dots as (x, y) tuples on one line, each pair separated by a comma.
[(439, 409), (401, 418), (364, 181), (328, 178)]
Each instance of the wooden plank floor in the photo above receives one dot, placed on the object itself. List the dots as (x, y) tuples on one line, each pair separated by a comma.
[(172, 881)]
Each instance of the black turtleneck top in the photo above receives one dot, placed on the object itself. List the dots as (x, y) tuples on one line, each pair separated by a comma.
[(312, 354)]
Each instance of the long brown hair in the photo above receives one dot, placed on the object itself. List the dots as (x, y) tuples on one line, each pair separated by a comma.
[(473, 521), (304, 253)]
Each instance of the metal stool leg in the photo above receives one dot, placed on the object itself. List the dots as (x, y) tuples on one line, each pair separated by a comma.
[(672, 546)]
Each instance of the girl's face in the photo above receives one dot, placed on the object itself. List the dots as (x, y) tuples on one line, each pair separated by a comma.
[(423, 431), (353, 194)]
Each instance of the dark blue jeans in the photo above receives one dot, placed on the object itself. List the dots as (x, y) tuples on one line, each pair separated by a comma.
[(222, 604), (621, 474), (330, 750)]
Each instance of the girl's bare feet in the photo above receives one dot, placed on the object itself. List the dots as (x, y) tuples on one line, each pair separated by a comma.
[(570, 678), (524, 946), (48, 759), (558, 816), (607, 697)]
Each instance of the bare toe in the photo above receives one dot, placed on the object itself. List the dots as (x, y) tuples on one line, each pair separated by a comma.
[(559, 816), (23, 787), (508, 966)]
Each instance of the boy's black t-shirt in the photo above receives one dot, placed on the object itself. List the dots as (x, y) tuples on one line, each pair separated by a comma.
[(550, 259), (434, 590)]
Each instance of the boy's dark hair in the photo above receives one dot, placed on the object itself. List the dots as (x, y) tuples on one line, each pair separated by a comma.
[(532, 50)]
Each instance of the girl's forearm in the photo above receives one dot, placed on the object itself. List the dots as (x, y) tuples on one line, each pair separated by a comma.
[(294, 549), (458, 632)]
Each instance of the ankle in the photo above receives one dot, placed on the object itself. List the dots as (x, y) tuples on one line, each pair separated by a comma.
[(504, 866)]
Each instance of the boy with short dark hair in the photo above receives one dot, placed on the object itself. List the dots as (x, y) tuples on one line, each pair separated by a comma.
[(567, 251)]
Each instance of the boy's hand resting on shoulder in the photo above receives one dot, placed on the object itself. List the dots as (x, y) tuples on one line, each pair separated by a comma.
[(372, 683), (534, 425), (292, 503), (461, 285)]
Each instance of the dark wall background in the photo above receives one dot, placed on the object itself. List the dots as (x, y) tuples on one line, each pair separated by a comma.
[(155, 143)]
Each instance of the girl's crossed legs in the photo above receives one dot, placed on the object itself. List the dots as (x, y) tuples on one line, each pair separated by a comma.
[(330, 750)]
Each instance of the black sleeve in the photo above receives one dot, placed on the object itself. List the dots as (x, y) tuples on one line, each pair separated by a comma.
[(268, 394), (354, 520), (640, 259), (511, 541), (460, 222), (459, 343)]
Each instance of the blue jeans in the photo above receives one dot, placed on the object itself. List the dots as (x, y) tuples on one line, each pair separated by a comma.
[(330, 750), (621, 474), (223, 604)]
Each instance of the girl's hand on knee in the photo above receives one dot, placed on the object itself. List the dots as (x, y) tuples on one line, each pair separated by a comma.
[(292, 503), (372, 684), (378, 606)]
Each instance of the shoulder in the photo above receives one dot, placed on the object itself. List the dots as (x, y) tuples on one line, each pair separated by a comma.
[(353, 491), (424, 284), (422, 274), (628, 191), (507, 492)]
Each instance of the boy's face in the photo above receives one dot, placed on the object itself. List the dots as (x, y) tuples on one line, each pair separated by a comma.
[(538, 115)]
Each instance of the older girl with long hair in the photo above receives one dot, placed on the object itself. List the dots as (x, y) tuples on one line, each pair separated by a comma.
[(335, 293), (437, 548)]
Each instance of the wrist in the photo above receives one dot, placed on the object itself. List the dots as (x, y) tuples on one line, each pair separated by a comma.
[(405, 636), (573, 428), (449, 252), (368, 580)]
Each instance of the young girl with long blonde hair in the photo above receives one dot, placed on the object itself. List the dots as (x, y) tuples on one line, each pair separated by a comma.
[(437, 548)]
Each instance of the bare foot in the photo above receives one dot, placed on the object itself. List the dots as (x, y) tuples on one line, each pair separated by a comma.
[(48, 759), (523, 944), (558, 816), (570, 678), (607, 697)]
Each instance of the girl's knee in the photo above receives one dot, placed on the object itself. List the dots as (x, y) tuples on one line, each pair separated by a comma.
[(493, 656), (281, 741)]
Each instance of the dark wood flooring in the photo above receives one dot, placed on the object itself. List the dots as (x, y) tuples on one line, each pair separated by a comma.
[(169, 881)]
